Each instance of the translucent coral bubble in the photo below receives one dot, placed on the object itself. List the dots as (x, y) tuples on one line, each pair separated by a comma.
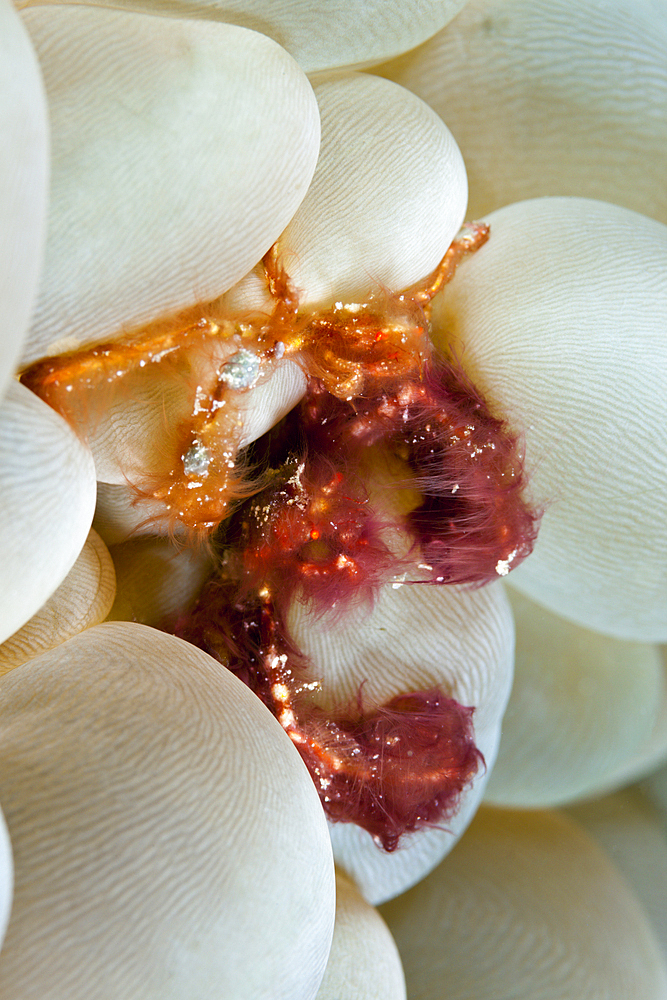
[(560, 321), (321, 36), (551, 97), (363, 962), (6, 877), (47, 496), (83, 599), (157, 581), (181, 150), (24, 149), (378, 210), (632, 831), (526, 906), (581, 708), (159, 818)]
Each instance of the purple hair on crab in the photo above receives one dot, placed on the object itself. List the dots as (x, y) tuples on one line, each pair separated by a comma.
[(312, 525)]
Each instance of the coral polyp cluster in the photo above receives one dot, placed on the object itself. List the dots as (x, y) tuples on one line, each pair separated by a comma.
[(392, 467)]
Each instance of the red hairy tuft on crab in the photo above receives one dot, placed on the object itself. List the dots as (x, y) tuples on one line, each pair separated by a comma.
[(391, 769)]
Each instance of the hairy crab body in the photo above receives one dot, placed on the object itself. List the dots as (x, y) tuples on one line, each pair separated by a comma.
[(308, 519)]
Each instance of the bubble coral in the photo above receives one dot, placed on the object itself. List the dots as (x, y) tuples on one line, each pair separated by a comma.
[(164, 196)]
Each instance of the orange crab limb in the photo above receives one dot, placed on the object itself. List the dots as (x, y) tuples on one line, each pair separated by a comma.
[(355, 349)]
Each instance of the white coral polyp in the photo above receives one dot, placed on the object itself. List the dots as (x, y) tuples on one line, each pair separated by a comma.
[(169, 841), (560, 322)]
